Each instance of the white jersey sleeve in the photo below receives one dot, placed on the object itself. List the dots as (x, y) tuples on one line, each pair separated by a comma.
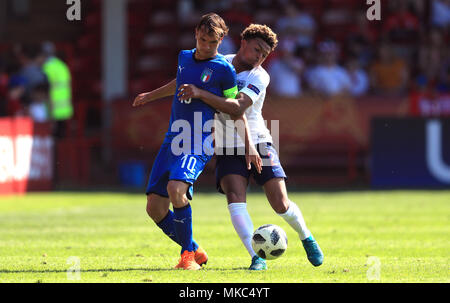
[(256, 84)]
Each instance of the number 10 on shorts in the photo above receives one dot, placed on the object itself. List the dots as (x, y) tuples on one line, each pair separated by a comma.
[(189, 164)]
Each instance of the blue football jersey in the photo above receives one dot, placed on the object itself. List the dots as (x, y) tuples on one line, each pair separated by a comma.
[(215, 75)]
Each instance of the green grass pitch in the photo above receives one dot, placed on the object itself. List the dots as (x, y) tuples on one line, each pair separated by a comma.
[(385, 236)]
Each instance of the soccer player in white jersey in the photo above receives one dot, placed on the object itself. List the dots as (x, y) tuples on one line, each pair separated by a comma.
[(232, 173)]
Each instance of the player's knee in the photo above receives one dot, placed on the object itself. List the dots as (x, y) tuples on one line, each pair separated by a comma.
[(279, 203), (235, 188), (173, 189), (177, 194), (282, 207)]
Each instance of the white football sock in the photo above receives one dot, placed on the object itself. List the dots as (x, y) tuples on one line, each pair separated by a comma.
[(242, 224), (293, 216)]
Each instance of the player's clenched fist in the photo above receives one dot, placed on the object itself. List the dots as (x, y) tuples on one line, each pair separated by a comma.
[(188, 91), (141, 99)]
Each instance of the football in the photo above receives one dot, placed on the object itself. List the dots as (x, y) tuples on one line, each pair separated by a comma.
[(269, 241)]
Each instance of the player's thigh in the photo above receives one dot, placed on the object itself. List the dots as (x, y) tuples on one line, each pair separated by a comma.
[(276, 193), (232, 177), (235, 187), (157, 207)]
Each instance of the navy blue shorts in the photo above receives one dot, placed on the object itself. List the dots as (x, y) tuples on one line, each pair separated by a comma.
[(235, 164)]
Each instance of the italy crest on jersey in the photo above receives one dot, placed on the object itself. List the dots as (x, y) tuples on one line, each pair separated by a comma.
[(206, 75)]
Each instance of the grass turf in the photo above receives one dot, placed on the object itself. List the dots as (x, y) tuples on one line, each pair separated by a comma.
[(385, 236)]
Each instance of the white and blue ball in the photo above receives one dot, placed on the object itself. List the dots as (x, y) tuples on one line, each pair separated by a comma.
[(269, 241)]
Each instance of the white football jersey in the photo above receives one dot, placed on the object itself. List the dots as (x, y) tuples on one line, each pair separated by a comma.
[(253, 83)]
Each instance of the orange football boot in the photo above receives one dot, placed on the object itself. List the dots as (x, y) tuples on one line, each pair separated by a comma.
[(187, 261), (200, 256)]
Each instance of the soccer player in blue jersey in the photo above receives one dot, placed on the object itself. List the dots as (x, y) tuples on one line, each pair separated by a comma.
[(176, 168)]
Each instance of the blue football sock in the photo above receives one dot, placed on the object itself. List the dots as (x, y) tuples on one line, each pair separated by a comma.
[(168, 227), (183, 227)]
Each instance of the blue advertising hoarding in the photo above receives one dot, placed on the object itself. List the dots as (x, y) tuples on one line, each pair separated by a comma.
[(410, 152)]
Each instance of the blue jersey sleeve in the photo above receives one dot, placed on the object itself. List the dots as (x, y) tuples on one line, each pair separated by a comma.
[(229, 82)]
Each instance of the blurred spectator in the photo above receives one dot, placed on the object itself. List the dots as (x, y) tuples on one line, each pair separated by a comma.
[(59, 78), (358, 78), (17, 87), (185, 9), (328, 77), (440, 13), (432, 53), (30, 58), (361, 38), (38, 109), (389, 73), (296, 24), (285, 71)]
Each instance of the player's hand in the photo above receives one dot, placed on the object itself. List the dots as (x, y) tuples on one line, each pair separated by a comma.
[(252, 156), (188, 91), (141, 99)]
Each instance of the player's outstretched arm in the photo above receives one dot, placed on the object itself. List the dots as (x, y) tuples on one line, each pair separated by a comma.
[(234, 107), (161, 92)]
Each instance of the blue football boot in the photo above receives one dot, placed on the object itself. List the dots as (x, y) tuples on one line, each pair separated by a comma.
[(313, 251), (258, 264)]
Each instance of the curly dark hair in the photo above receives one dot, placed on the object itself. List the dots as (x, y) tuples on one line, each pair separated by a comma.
[(260, 31)]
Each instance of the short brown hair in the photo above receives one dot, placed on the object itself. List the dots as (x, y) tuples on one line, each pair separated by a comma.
[(213, 24), (260, 31)]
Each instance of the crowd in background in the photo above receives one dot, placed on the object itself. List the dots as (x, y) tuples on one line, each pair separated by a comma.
[(24, 87), (35, 83), (332, 52), (408, 49)]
